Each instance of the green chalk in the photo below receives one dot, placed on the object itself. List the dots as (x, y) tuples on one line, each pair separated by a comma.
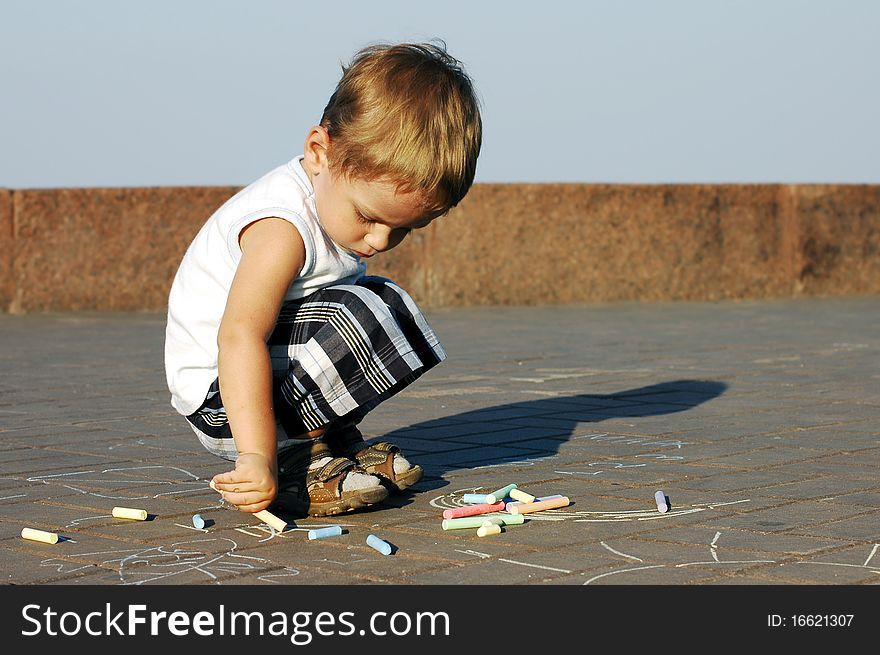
[(477, 521), (499, 494)]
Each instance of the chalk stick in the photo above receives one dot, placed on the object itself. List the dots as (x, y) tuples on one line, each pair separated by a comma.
[(477, 521), (264, 515), (474, 499), (323, 533), (660, 498), (472, 510), (528, 508), (500, 494), (198, 521), (382, 546), (513, 503), (268, 517), (490, 528), (39, 535), (522, 496), (129, 513)]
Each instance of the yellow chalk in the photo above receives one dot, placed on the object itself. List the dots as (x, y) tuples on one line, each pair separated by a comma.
[(129, 513), (521, 496), (264, 515), (268, 517), (528, 508), (488, 528), (39, 535)]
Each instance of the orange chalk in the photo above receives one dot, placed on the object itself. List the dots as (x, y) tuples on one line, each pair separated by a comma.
[(528, 508)]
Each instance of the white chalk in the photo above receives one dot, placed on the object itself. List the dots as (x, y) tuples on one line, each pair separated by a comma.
[(198, 521), (268, 517), (660, 499), (39, 535), (129, 513), (264, 515)]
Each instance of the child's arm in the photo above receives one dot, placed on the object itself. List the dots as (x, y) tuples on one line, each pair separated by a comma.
[(272, 256)]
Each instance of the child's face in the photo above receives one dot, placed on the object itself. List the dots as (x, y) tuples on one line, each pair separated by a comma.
[(362, 217), (366, 218)]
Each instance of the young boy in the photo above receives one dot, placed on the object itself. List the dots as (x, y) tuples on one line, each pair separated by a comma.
[(277, 342)]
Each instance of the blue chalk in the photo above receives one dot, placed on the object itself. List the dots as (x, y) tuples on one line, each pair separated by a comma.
[(474, 499), (321, 533), (198, 521), (382, 546)]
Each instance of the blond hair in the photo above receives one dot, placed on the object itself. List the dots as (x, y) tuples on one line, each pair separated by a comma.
[(406, 113)]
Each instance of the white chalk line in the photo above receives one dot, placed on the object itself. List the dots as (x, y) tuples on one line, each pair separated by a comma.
[(637, 568), (727, 561), (617, 552), (474, 552), (536, 566)]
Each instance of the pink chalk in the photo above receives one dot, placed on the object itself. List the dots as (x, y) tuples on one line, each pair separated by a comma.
[(472, 510)]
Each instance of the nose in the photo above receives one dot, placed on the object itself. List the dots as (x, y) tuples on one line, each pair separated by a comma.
[(377, 238)]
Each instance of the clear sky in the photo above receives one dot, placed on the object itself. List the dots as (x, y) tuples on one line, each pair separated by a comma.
[(217, 92)]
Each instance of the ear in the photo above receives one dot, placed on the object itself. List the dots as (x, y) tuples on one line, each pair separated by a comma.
[(315, 150)]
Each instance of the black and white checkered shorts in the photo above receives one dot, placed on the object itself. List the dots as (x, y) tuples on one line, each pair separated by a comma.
[(336, 354)]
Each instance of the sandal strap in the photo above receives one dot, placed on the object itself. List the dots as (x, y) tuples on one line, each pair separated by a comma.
[(376, 454), (330, 470)]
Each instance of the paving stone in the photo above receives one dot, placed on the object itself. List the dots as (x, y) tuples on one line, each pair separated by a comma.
[(765, 439)]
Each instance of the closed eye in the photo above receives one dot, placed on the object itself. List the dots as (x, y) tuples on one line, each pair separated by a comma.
[(361, 218)]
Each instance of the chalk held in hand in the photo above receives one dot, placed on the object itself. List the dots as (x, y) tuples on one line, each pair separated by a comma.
[(129, 513), (323, 533), (660, 497), (488, 528), (198, 521), (382, 546), (499, 494), (39, 535), (264, 515)]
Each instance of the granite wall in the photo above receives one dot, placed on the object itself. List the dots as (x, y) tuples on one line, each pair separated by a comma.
[(118, 249)]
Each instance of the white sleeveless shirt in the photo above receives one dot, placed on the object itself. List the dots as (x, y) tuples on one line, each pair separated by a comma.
[(200, 288)]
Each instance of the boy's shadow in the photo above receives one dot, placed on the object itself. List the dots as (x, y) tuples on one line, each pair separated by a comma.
[(520, 431), (531, 429)]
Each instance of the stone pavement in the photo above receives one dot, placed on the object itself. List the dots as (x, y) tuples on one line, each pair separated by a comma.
[(759, 420)]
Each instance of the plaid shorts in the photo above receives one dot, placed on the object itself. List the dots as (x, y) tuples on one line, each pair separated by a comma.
[(336, 354)]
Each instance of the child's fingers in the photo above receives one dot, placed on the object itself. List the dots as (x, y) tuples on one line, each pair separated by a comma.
[(221, 480), (242, 498)]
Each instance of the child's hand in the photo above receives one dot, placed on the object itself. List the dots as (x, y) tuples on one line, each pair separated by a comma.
[(252, 486)]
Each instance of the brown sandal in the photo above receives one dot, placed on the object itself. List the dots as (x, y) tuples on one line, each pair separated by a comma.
[(318, 491), (376, 458)]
